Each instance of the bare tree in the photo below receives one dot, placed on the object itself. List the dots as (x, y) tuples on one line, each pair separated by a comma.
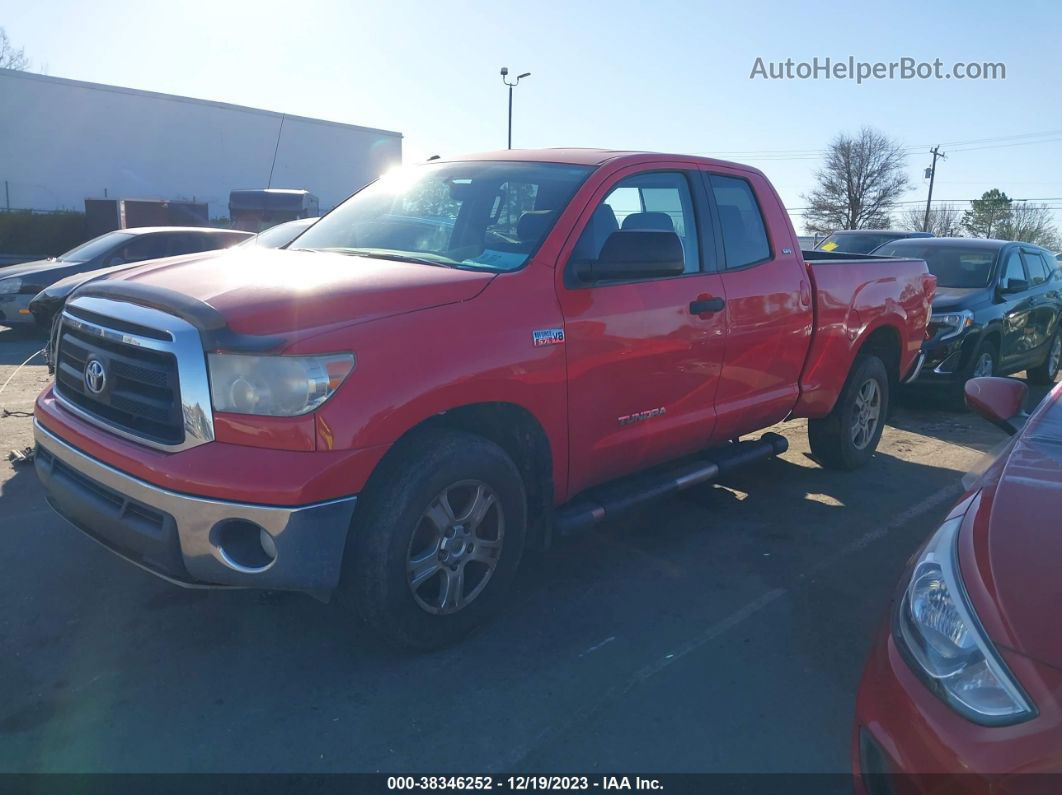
[(945, 220), (1030, 223), (11, 58), (859, 183)]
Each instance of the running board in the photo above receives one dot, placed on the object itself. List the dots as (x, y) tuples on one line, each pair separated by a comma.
[(611, 500)]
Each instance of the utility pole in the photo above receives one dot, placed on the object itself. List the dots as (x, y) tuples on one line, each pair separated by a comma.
[(935, 151), (504, 73)]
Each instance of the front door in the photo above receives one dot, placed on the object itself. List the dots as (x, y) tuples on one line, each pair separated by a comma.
[(643, 355), (1019, 328)]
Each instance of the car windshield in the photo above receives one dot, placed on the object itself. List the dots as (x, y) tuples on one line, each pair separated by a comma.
[(475, 214), (855, 242), (93, 248), (958, 266)]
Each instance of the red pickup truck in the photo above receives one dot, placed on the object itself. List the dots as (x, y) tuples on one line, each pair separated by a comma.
[(463, 360)]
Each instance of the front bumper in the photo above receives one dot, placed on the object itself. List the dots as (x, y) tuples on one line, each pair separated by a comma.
[(194, 541), (945, 361), (906, 740), (14, 310)]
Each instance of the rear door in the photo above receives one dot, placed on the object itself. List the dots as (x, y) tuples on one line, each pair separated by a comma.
[(643, 355), (768, 305)]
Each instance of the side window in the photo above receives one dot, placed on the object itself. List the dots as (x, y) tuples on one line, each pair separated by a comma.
[(1013, 279), (741, 222), (1034, 264), (141, 248), (658, 201), (187, 244)]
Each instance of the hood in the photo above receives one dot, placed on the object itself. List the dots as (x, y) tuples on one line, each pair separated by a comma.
[(63, 287), (958, 297), (263, 291), (1018, 550)]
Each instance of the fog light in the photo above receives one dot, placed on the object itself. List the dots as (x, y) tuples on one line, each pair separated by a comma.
[(244, 545)]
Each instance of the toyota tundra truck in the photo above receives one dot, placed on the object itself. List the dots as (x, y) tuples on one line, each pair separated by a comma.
[(466, 359)]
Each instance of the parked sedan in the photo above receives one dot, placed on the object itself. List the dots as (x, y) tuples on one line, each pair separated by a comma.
[(154, 242), (20, 283), (965, 677), (864, 241), (996, 310)]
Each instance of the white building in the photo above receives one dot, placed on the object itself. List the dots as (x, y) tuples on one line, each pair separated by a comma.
[(62, 141)]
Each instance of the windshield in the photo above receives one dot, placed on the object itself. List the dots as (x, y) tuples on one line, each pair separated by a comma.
[(960, 266), (856, 242), (93, 248), (484, 215)]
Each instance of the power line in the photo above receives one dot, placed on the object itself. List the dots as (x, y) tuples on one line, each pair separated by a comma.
[(969, 145)]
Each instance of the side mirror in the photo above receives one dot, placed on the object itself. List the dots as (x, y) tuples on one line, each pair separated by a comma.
[(636, 254), (1013, 286), (1001, 401)]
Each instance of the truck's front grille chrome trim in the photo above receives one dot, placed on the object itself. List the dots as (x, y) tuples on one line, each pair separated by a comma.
[(165, 400)]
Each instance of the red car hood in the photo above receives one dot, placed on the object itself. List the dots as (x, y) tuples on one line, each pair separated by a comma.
[(262, 291), (1017, 541)]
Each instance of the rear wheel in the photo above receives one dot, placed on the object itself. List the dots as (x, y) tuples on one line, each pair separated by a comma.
[(436, 540), (847, 437), (1045, 372)]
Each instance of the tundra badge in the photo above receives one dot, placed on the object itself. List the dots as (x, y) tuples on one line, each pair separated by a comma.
[(547, 336), (641, 416)]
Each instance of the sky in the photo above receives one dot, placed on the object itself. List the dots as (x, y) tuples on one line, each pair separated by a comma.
[(662, 75)]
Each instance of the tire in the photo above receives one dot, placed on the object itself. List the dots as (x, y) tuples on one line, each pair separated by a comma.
[(835, 440), (985, 361), (1045, 372), (407, 514)]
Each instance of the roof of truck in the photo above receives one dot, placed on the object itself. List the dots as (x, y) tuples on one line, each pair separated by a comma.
[(584, 156)]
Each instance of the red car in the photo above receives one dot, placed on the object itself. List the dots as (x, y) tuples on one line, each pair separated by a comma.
[(961, 691), (461, 360)]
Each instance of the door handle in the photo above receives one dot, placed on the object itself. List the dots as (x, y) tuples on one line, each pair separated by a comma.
[(704, 306)]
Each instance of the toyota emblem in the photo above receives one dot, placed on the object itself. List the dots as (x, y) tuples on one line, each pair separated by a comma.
[(95, 376)]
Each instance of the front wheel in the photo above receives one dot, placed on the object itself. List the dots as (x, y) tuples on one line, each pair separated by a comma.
[(436, 540), (1045, 372), (847, 437)]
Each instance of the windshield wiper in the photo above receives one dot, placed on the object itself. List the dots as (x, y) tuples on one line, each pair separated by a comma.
[(393, 256)]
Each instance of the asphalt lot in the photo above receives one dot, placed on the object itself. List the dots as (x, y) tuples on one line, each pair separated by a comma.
[(723, 631)]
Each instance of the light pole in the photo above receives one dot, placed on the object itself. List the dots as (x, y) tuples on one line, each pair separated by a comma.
[(504, 77)]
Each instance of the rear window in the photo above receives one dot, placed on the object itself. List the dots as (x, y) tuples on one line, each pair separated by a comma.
[(744, 235), (856, 243), (959, 266)]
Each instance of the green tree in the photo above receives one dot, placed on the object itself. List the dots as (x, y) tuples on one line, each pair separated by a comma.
[(859, 183), (988, 214)]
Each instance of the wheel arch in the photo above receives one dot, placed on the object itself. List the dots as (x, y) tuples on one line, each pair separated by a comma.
[(523, 438)]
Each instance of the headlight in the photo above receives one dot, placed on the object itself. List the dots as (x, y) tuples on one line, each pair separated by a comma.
[(10, 286), (277, 386), (949, 324), (946, 644)]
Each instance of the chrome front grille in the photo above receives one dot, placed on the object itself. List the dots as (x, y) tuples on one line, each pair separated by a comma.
[(139, 372)]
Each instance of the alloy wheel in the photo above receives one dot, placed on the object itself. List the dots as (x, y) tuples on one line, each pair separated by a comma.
[(867, 414), (985, 365), (455, 547)]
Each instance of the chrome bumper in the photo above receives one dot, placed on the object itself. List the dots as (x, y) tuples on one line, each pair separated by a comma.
[(194, 541)]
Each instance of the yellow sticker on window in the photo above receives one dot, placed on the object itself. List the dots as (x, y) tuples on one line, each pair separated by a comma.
[(828, 246)]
